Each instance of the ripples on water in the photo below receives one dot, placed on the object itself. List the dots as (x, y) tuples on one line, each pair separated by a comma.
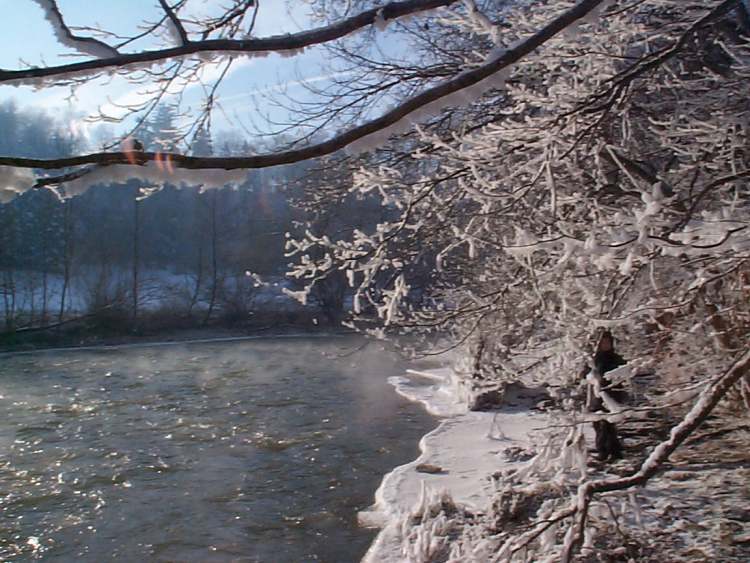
[(245, 451)]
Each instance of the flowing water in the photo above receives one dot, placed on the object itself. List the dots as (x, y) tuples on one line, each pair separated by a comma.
[(246, 451)]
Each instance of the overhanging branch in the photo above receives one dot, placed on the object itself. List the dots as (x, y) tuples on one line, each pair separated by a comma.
[(277, 43), (461, 81), (179, 28), (86, 45)]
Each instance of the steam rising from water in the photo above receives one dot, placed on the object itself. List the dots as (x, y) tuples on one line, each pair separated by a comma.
[(258, 450)]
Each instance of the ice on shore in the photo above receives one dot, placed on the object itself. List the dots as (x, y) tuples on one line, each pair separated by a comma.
[(459, 458)]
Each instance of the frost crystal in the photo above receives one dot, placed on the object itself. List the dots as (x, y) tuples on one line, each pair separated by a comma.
[(156, 173)]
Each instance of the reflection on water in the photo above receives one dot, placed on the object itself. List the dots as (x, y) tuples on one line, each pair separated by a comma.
[(243, 451)]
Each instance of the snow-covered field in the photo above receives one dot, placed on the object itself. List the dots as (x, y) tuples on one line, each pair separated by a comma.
[(458, 458), (157, 289)]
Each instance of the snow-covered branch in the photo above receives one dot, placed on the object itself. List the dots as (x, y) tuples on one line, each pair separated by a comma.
[(706, 403), (283, 44), (84, 45), (469, 83), (176, 25)]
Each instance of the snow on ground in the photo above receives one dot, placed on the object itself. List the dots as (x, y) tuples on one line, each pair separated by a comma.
[(460, 454), (695, 510), (157, 287)]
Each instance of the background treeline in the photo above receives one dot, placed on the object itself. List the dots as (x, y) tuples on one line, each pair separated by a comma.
[(178, 257)]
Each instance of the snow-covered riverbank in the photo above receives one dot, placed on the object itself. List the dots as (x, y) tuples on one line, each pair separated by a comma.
[(477, 489), (459, 458)]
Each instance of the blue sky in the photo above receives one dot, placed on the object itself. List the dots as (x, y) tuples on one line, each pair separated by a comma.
[(29, 38)]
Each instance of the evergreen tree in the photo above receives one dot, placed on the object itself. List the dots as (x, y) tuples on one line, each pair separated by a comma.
[(202, 143)]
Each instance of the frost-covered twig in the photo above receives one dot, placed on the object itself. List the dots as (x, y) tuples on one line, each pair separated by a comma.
[(649, 63), (290, 43), (578, 507)]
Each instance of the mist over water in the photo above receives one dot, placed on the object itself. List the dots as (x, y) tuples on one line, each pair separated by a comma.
[(245, 451)]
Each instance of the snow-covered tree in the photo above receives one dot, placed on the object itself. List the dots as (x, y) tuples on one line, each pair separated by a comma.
[(599, 182)]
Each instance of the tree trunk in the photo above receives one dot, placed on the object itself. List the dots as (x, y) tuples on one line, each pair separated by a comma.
[(67, 253), (136, 225), (214, 261)]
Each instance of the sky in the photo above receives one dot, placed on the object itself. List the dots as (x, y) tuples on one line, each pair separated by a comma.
[(245, 94)]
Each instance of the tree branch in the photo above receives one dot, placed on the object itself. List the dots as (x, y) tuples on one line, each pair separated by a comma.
[(86, 45), (702, 408), (276, 43), (176, 23), (461, 81), (649, 63)]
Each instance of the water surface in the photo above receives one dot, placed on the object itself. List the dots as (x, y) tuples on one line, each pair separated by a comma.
[(257, 450)]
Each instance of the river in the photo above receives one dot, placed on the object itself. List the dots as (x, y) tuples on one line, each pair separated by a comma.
[(253, 451)]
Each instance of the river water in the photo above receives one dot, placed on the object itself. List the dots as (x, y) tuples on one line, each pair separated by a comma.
[(258, 451)]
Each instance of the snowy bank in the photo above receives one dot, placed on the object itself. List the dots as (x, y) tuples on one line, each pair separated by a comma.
[(459, 457)]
